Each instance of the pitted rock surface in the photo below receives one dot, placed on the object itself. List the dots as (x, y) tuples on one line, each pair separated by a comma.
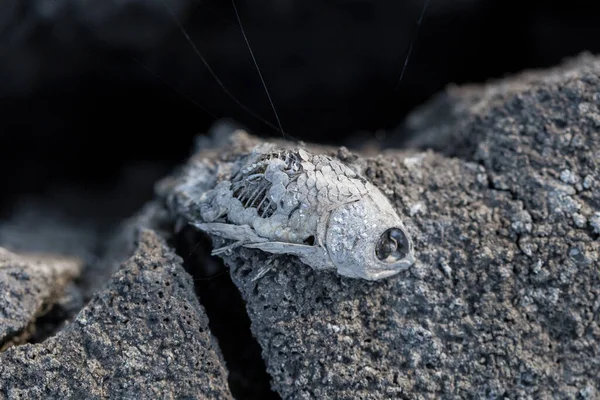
[(30, 284), (144, 337), (504, 301)]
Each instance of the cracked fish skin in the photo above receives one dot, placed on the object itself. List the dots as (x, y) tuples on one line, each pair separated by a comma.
[(289, 201)]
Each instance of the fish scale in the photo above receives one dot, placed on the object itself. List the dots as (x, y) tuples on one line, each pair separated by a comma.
[(313, 206)]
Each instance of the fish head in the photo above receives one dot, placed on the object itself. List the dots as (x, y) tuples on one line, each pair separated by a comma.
[(367, 239)]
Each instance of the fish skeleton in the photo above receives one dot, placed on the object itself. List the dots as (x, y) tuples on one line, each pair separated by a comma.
[(290, 201)]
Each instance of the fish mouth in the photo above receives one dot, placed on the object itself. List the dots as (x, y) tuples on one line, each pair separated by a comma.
[(391, 270)]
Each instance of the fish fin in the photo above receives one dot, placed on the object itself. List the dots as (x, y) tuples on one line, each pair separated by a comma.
[(226, 249), (314, 256), (239, 233)]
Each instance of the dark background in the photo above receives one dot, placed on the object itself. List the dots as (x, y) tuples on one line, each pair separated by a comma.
[(93, 93)]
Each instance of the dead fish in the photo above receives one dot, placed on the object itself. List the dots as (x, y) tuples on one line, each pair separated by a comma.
[(313, 206)]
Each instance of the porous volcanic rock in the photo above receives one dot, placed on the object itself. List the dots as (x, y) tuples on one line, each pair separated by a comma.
[(504, 300), (30, 284), (145, 336)]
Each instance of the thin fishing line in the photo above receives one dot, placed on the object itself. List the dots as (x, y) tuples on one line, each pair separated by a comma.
[(257, 68), (214, 75), (412, 43)]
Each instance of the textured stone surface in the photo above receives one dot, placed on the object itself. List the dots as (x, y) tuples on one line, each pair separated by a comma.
[(504, 301), (144, 337), (30, 285), (457, 120)]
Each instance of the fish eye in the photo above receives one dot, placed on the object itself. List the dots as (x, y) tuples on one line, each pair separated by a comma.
[(392, 246)]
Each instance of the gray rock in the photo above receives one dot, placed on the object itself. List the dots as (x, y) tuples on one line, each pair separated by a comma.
[(503, 301), (30, 285), (144, 337), (119, 244), (457, 119)]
